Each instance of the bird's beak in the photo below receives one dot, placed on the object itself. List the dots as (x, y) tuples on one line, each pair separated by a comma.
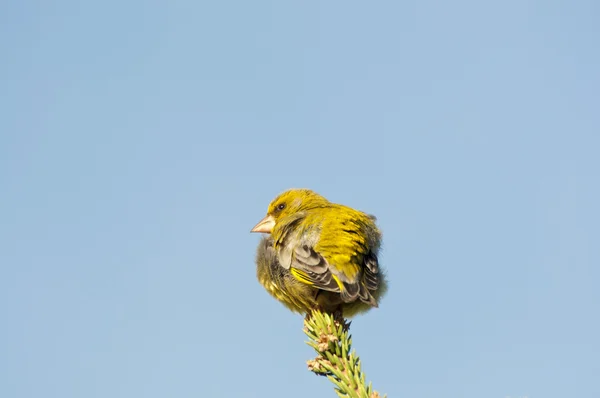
[(265, 225)]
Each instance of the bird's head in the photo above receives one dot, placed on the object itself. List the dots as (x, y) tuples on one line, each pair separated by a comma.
[(288, 203)]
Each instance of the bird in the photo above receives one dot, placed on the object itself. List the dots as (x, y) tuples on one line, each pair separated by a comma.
[(319, 255)]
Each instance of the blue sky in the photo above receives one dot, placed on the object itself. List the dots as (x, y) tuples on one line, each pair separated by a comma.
[(140, 142)]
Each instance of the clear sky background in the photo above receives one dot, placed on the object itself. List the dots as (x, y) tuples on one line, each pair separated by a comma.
[(140, 141)]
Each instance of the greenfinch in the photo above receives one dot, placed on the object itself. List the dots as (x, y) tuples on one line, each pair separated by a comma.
[(319, 255)]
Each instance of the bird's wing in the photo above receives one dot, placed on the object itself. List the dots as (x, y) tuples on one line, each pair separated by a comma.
[(311, 268), (353, 280)]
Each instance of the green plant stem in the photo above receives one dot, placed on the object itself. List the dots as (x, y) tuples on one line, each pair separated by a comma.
[(329, 336)]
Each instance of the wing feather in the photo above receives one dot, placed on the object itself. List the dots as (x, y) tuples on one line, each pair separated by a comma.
[(356, 270), (310, 267)]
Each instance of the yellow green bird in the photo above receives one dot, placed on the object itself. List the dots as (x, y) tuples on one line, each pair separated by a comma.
[(319, 255)]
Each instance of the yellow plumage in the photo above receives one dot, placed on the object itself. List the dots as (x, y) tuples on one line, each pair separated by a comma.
[(319, 254)]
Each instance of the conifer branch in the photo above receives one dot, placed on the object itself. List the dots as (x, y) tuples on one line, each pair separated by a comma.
[(329, 336)]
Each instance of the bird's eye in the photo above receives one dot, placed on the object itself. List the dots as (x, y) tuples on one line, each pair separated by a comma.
[(281, 206)]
